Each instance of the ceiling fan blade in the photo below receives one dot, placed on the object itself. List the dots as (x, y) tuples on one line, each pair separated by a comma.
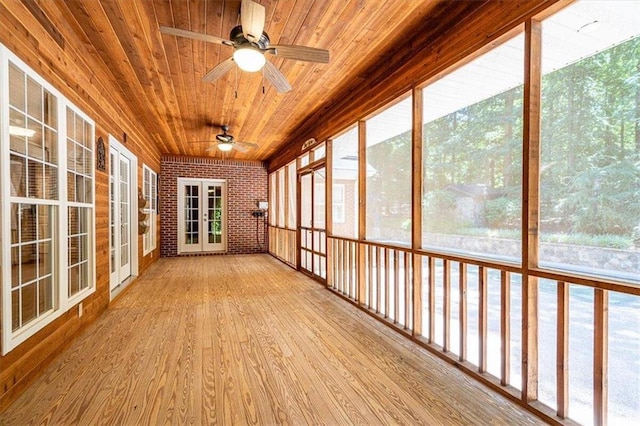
[(211, 148), (252, 20), (300, 53), (240, 148), (276, 78), (218, 71), (196, 36), (245, 146)]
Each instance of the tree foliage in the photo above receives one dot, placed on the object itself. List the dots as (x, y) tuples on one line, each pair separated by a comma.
[(590, 151)]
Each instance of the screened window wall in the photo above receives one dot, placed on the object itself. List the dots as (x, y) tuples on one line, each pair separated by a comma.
[(282, 213), (461, 267)]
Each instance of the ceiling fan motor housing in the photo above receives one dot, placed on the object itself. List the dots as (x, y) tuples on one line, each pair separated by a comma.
[(238, 38)]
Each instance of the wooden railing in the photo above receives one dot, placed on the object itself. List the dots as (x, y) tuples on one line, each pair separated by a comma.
[(470, 312), (283, 245)]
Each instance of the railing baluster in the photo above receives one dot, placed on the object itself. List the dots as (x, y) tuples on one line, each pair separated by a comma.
[(396, 286), (432, 299), (407, 290), (370, 275), (463, 310), (562, 350), (505, 327), (446, 306), (378, 273), (482, 319), (600, 356), (387, 273)]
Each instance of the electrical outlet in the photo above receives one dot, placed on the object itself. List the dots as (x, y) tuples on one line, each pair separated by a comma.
[(80, 310)]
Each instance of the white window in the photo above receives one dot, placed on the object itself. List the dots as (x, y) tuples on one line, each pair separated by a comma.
[(46, 187), (150, 194), (338, 202)]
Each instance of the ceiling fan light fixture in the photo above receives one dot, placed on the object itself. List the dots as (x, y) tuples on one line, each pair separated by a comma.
[(249, 58), (225, 146)]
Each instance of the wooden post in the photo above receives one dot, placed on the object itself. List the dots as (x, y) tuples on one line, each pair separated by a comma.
[(530, 208), (362, 206), (298, 213), (328, 205), (416, 208)]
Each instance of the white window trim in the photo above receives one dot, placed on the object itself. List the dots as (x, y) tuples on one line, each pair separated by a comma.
[(62, 303), (149, 242), (115, 289)]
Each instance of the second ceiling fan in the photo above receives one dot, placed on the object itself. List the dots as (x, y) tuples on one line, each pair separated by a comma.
[(251, 44)]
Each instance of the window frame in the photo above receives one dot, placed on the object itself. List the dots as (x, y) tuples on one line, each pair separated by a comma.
[(150, 194), (59, 226)]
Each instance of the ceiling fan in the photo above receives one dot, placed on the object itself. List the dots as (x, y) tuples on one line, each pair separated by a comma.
[(226, 142), (251, 43)]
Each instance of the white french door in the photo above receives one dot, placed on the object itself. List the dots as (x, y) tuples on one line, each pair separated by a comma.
[(122, 218), (202, 215)]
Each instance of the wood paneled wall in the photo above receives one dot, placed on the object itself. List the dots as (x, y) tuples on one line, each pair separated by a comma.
[(55, 50)]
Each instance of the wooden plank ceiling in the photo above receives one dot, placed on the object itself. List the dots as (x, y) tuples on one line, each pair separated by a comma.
[(159, 75)]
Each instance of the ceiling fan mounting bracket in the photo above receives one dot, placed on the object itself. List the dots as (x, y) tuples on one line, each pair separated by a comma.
[(239, 40)]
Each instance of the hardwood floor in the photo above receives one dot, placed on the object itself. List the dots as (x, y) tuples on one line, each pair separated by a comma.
[(247, 340)]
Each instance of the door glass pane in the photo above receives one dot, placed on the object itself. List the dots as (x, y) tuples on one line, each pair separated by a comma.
[(214, 213), (124, 213), (305, 205), (112, 211), (192, 194)]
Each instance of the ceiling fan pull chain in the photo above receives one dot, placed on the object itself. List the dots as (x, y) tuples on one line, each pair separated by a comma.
[(236, 82)]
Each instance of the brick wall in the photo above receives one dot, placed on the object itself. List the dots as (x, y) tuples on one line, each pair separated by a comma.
[(246, 184)]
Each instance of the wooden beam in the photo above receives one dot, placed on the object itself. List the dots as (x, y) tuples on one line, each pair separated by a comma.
[(530, 208), (562, 349), (600, 356)]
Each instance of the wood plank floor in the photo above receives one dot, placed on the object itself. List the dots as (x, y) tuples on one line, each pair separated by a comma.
[(247, 340)]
